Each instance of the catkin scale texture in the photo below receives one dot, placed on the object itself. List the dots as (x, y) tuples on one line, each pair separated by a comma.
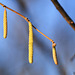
[(5, 24), (55, 56), (30, 43)]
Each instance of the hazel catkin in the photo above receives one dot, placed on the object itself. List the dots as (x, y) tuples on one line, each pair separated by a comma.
[(30, 43), (55, 56), (5, 23)]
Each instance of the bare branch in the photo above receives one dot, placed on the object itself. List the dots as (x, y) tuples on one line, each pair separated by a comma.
[(63, 13)]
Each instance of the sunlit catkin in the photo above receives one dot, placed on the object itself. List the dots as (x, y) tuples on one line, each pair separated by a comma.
[(5, 23), (30, 43), (55, 56)]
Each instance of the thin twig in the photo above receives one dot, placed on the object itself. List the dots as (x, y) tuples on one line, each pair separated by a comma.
[(63, 13), (27, 21)]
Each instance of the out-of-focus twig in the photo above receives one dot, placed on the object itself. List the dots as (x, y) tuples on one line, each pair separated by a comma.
[(63, 13), (73, 57)]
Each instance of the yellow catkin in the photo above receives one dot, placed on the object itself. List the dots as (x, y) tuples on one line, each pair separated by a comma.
[(5, 23), (30, 43), (55, 56)]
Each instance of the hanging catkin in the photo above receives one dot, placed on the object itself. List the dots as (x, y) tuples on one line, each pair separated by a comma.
[(5, 23), (30, 43), (54, 55)]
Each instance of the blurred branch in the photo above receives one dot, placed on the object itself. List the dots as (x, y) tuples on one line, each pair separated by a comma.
[(73, 57), (63, 13), (22, 4)]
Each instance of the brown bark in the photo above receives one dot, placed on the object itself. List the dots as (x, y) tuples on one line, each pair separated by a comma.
[(63, 13)]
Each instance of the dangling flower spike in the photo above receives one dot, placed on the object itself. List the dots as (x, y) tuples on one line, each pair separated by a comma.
[(30, 43), (5, 23), (54, 53)]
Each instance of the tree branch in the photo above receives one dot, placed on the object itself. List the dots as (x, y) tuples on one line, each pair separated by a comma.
[(27, 21), (63, 13)]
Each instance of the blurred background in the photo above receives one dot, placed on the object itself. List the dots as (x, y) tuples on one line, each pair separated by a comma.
[(45, 17)]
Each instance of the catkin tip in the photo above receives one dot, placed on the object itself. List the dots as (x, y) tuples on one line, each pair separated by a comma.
[(30, 61), (56, 63), (5, 36)]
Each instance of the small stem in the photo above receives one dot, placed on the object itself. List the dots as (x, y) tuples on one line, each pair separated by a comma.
[(27, 21)]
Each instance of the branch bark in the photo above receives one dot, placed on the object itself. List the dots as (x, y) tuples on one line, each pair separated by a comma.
[(63, 13)]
